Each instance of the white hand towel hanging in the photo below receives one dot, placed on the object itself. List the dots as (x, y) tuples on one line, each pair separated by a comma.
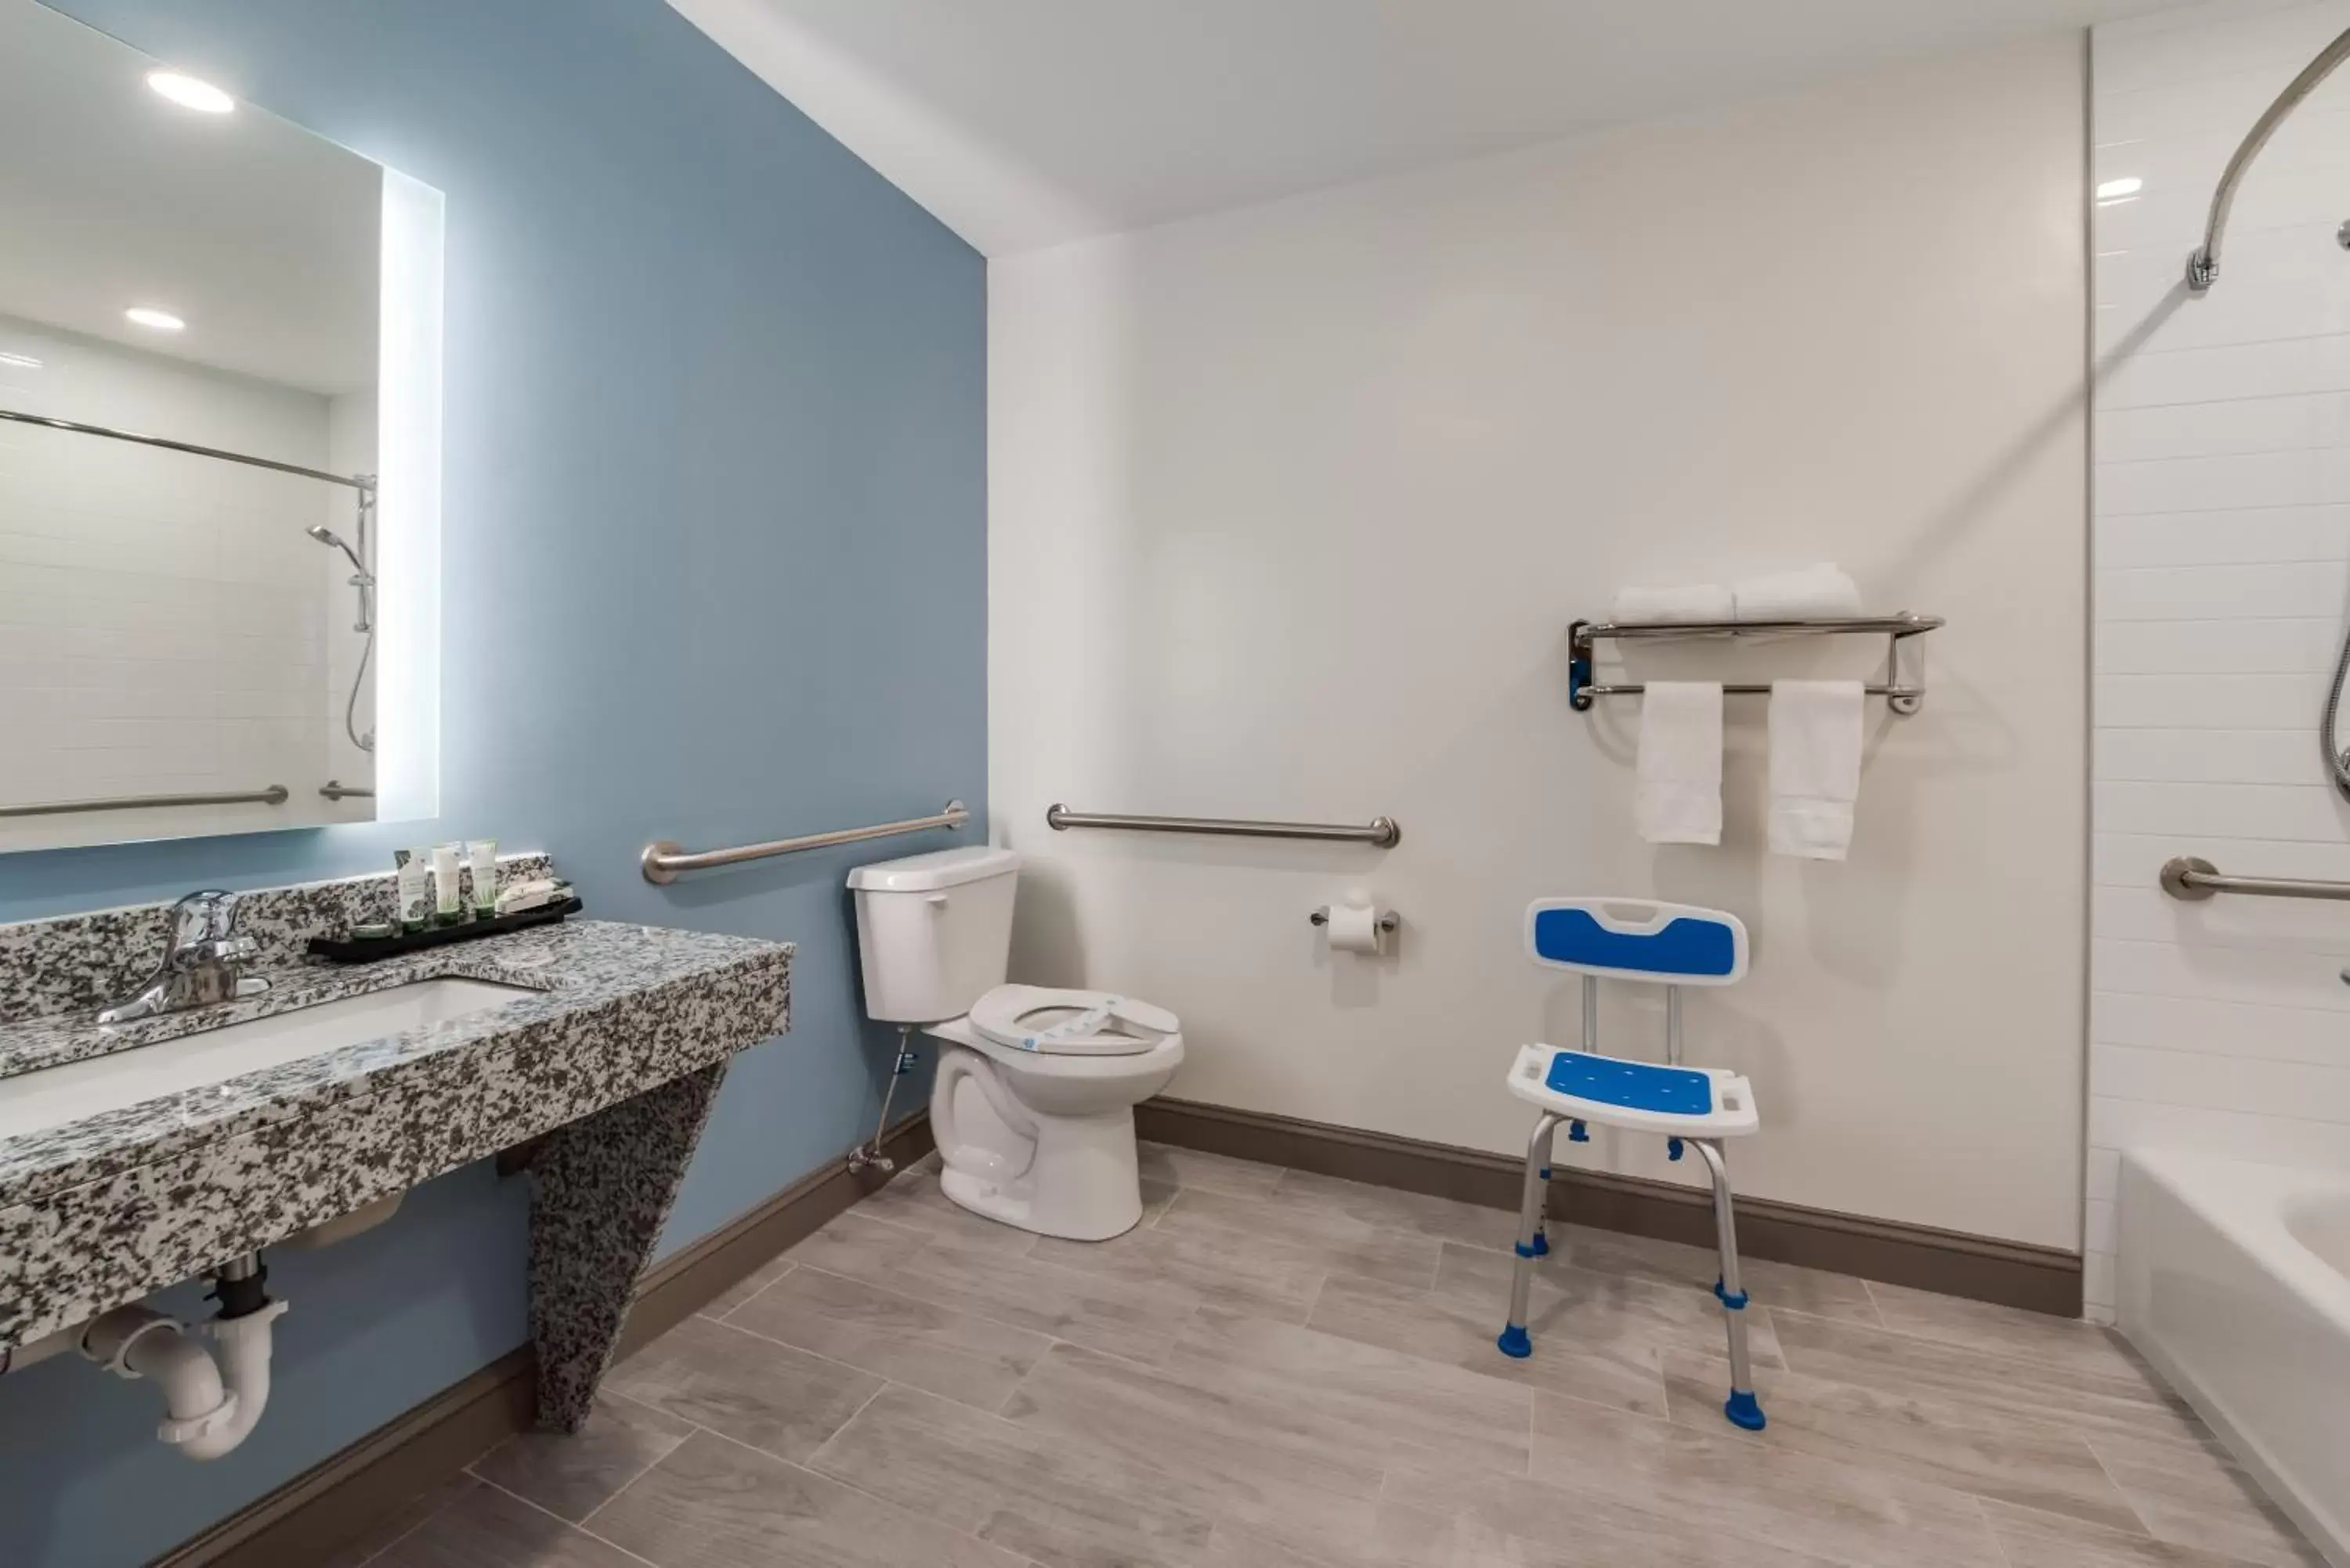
[(1677, 794), (1815, 766), (1812, 593), (1678, 606)]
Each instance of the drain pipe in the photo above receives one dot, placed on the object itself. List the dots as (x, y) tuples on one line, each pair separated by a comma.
[(210, 1405)]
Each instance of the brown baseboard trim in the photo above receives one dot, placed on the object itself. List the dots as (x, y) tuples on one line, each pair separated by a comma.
[(303, 1522), (2010, 1273)]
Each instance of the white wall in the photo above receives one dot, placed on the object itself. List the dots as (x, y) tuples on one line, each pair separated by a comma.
[(1291, 508), (161, 615), (2222, 537)]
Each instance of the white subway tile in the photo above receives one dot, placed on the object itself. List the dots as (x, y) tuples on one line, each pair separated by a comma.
[(2223, 483), (2237, 427), (2275, 41), (2097, 1233), (2255, 1085), (2220, 646), (2105, 1178), (2143, 912), (2097, 1286), (2223, 1028), (2218, 974), (2288, 366), (2278, 701), (2209, 756), (2221, 811), (2230, 1135)]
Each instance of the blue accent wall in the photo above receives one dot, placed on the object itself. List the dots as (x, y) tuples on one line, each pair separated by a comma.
[(715, 546)]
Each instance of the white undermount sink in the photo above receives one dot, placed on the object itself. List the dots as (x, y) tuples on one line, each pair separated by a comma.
[(34, 1102)]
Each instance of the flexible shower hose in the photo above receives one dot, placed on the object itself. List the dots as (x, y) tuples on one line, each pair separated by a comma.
[(352, 707), (2328, 722)]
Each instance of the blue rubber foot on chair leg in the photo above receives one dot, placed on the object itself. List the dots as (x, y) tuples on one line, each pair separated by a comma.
[(1516, 1343), (1743, 1411), (1541, 1245)]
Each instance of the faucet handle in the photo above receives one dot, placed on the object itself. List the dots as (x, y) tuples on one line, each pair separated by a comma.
[(203, 917)]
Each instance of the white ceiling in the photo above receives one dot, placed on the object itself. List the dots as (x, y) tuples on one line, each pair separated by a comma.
[(1024, 123), (262, 237)]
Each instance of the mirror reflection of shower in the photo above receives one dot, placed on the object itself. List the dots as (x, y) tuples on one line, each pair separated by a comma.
[(362, 581)]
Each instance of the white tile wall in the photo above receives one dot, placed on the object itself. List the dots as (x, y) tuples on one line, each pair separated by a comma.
[(2223, 551), (162, 616)]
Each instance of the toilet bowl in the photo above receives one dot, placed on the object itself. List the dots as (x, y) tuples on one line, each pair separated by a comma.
[(1033, 1106)]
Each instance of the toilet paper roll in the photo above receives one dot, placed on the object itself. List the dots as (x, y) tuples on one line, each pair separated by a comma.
[(1354, 929)]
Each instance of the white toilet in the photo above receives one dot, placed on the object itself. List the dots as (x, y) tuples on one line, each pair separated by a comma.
[(1034, 1106)]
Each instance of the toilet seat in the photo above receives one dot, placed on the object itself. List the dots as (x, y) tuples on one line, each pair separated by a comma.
[(1053, 1021)]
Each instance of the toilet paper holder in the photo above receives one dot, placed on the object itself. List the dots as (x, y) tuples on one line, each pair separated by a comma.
[(1389, 919)]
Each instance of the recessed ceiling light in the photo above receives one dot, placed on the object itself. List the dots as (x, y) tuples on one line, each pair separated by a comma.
[(2115, 190), (188, 93), (21, 361), (147, 316)]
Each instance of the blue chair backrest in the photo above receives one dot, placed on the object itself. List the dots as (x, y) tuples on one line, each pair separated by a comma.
[(1637, 939)]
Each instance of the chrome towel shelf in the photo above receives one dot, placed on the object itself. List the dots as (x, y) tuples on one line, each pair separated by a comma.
[(275, 795), (2194, 878), (1903, 688), (1381, 831), (661, 862)]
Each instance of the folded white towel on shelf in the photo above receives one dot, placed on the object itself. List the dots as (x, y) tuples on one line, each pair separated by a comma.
[(1695, 601), (1815, 766), (1809, 593), (1677, 796)]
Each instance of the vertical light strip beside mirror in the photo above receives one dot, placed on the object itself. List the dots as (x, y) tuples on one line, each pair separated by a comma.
[(407, 680)]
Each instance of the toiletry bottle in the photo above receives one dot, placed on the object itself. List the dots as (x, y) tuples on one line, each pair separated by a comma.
[(415, 879), (482, 860), (447, 905)]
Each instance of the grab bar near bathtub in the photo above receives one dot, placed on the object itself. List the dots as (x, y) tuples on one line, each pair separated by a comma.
[(2194, 878)]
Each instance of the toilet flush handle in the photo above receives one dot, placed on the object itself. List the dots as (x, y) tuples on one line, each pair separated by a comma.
[(936, 901)]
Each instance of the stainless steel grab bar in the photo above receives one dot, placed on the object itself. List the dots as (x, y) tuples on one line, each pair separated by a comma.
[(1381, 831), (2194, 878), (336, 789), (273, 796), (663, 861)]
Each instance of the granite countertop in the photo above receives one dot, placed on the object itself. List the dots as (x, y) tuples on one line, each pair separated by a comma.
[(587, 977)]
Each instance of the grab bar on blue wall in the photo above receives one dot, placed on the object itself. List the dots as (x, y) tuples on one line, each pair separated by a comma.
[(664, 860)]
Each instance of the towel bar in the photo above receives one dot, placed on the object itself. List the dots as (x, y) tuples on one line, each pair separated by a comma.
[(1903, 690)]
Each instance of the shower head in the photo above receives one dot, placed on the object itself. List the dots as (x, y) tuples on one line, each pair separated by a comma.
[(325, 535)]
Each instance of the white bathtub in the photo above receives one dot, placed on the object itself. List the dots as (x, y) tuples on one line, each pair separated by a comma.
[(2234, 1280)]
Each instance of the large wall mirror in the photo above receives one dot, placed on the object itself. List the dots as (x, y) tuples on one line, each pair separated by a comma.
[(218, 451)]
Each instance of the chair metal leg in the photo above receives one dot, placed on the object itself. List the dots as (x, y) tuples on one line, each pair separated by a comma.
[(1542, 1198), (1741, 1408), (1514, 1340)]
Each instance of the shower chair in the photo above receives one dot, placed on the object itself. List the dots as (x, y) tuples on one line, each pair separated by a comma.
[(1649, 944)]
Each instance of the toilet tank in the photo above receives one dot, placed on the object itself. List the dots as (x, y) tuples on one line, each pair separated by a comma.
[(934, 931)]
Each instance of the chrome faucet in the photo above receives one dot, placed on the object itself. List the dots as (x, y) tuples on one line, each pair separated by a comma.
[(202, 962)]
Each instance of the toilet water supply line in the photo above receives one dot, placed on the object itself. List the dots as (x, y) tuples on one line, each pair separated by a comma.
[(210, 1405), (867, 1156)]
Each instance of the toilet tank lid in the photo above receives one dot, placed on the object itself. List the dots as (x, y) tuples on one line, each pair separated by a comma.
[(939, 868)]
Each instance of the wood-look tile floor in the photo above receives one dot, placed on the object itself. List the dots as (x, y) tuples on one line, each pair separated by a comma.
[(1281, 1370)]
